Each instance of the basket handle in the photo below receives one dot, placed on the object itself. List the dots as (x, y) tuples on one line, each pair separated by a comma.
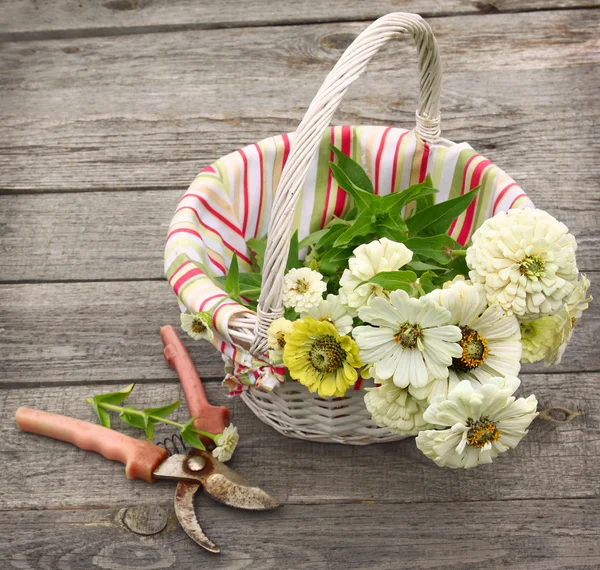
[(311, 130)]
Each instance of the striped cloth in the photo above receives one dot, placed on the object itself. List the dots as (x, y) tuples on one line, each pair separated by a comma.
[(230, 201)]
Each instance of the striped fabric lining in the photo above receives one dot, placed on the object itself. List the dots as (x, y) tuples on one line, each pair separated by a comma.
[(230, 201)]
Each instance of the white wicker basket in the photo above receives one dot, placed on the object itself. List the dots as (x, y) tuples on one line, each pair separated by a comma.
[(291, 409)]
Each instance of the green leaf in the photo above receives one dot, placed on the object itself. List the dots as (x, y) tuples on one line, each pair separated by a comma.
[(426, 281), (424, 202), (110, 398), (353, 170), (393, 280), (333, 259), (417, 265), (331, 235), (133, 420), (458, 266), (293, 260), (163, 411), (391, 228), (257, 248), (393, 203), (363, 199), (189, 436), (362, 226), (437, 219), (351, 215), (232, 281), (312, 239), (439, 248)]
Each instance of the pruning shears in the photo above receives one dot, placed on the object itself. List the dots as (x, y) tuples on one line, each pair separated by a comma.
[(149, 462)]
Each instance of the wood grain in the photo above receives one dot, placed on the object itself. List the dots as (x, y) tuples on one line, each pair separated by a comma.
[(28, 18), (537, 535), (149, 111), (109, 331), (121, 235), (555, 460)]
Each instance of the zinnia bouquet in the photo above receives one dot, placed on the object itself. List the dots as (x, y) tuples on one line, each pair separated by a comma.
[(383, 292)]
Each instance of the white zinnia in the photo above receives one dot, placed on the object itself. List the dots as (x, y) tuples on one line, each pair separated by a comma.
[(226, 444), (525, 259), (197, 325), (276, 336), (480, 422), (303, 289), (490, 341), (411, 340), (332, 311), (547, 338), (396, 409), (368, 260)]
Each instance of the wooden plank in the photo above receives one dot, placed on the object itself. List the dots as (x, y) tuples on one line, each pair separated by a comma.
[(149, 111), (108, 331), (537, 535), (92, 235), (31, 19), (554, 460)]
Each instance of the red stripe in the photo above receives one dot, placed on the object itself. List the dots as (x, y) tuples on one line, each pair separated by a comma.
[(517, 198), (246, 193), (501, 195), (179, 269), (262, 188), (185, 278), (217, 264), (424, 162), (209, 169), (184, 231), (217, 296), (329, 181), (470, 214), (217, 312), (464, 181), (340, 201), (216, 214), (378, 157), (210, 228), (286, 149), (396, 152)]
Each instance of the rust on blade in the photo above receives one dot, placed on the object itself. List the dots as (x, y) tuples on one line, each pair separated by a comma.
[(184, 509)]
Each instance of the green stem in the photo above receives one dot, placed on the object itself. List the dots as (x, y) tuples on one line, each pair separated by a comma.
[(459, 253), (134, 412)]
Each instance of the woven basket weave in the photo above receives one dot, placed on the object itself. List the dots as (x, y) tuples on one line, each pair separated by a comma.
[(282, 184)]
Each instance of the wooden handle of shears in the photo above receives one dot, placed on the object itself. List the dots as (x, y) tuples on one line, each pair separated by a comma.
[(212, 419), (141, 458)]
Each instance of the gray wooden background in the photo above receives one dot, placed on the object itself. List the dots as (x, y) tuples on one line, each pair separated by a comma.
[(108, 109)]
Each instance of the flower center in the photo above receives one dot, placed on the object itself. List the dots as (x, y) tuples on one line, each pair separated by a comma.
[(409, 335), (280, 339), (198, 326), (326, 354), (475, 351), (302, 286), (533, 266), (481, 432)]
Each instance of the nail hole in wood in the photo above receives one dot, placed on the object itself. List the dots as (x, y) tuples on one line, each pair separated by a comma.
[(339, 41), (559, 415), (144, 519)]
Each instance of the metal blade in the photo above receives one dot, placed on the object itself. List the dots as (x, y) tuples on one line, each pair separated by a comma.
[(219, 481), (186, 515)]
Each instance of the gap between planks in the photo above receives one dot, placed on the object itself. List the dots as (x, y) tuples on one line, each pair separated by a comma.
[(482, 9)]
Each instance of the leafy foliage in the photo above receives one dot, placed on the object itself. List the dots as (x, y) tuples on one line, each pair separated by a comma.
[(143, 419)]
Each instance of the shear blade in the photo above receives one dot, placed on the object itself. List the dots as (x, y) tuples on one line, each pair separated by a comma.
[(184, 509)]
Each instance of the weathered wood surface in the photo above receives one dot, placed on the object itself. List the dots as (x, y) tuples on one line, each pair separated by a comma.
[(511, 535), (149, 111), (99, 127), (555, 461), (121, 235), (29, 18), (109, 331)]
